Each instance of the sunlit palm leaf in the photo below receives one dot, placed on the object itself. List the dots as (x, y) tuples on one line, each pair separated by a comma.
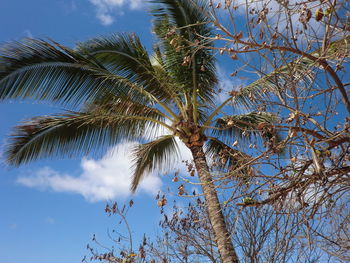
[(182, 19), (301, 69), (162, 75), (154, 156), (336, 50)]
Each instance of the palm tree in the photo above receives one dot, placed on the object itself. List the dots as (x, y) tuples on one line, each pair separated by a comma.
[(121, 93)]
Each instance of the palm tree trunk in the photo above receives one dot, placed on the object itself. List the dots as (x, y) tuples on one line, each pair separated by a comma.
[(216, 217)]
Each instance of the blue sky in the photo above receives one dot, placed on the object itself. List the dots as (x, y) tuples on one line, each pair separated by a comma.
[(50, 209)]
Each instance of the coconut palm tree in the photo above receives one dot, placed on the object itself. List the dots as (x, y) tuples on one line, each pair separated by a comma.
[(121, 93)]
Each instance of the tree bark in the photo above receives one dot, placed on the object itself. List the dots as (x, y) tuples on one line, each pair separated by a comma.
[(217, 220)]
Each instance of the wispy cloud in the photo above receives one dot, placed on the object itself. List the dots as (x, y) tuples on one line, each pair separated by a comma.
[(27, 33), (69, 7), (107, 9), (50, 220), (227, 83), (13, 226)]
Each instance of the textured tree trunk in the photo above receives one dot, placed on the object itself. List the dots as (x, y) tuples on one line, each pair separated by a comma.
[(223, 240)]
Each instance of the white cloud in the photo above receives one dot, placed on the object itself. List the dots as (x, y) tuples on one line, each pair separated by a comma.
[(105, 19), (103, 179), (106, 9), (108, 178)]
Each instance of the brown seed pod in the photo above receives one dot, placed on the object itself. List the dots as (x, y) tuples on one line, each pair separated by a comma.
[(319, 14), (181, 190), (162, 202)]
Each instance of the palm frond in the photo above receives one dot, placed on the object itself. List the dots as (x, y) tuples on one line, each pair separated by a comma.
[(124, 55), (301, 69), (244, 126), (153, 156), (75, 133), (163, 77), (123, 106), (335, 50), (223, 156), (182, 28), (184, 14), (37, 69)]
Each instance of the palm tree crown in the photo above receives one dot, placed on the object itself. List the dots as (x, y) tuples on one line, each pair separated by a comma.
[(121, 93)]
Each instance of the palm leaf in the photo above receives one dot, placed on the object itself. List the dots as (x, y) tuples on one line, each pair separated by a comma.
[(75, 133), (185, 23), (245, 125), (184, 14), (223, 156), (113, 105), (124, 55), (300, 69), (153, 156), (37, 69)]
